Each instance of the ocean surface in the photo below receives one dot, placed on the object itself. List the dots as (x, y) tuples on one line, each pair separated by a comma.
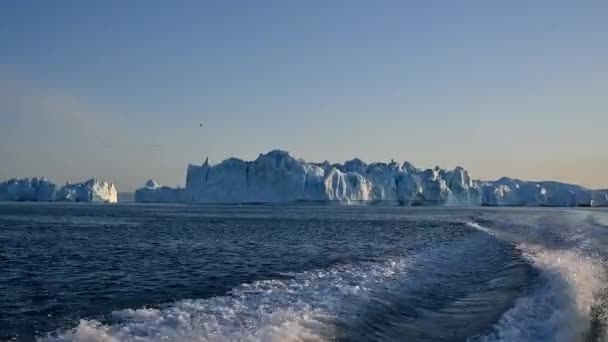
[(85, 272)]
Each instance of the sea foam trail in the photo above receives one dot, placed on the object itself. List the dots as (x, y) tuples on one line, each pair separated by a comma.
[(567, 304), (297, 309)]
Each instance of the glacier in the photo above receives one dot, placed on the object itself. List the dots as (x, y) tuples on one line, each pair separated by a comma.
[(278, 176), (43, 190)]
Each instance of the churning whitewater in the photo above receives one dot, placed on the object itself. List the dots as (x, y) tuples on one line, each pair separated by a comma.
[(301, 273)]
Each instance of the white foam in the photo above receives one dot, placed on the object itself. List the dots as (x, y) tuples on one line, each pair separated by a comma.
[(561, 307), (480, 227), (304, 308), (599, 216), (298, 309)]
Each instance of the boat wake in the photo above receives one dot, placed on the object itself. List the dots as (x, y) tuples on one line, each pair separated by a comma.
[(566, 303), (298, 309), (485, 284)]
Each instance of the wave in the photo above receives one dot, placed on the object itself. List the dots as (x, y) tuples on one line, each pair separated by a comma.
[(298, 309), (466, 280), (451, 292), (598, 217), (567, 303), (480, 227), (471, 278)]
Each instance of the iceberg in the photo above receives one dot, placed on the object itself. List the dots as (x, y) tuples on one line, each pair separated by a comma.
[(92, 190), (43, 190), (278, 176), (515, 192), (28, 189), (155, 193)]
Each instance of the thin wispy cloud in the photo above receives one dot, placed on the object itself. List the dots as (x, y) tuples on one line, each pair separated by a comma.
[(57, 133), (29, 102)]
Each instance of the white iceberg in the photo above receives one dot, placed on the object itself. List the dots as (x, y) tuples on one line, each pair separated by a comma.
[(278, 176), (43, 190), (28, 189), (92, 190)]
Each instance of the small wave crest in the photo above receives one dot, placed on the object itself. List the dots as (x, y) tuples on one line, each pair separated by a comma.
[(480, 227)]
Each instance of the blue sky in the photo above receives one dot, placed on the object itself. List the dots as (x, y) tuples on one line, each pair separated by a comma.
[(117, 89)]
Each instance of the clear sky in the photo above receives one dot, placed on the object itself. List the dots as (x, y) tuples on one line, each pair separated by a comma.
[(117, 89)]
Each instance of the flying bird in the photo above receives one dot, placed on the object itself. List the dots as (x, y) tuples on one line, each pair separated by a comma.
[(201, 125)]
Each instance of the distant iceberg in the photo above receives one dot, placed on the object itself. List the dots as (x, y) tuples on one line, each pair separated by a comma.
[(43, 190), (28, 189), (155, 193), (278, 176)]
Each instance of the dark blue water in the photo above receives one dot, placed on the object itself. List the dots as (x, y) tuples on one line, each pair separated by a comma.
[(300, 273)]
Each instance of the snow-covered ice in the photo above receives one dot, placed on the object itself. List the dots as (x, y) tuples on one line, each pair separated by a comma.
[(278, 176), (43, 190), (92, 190)]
